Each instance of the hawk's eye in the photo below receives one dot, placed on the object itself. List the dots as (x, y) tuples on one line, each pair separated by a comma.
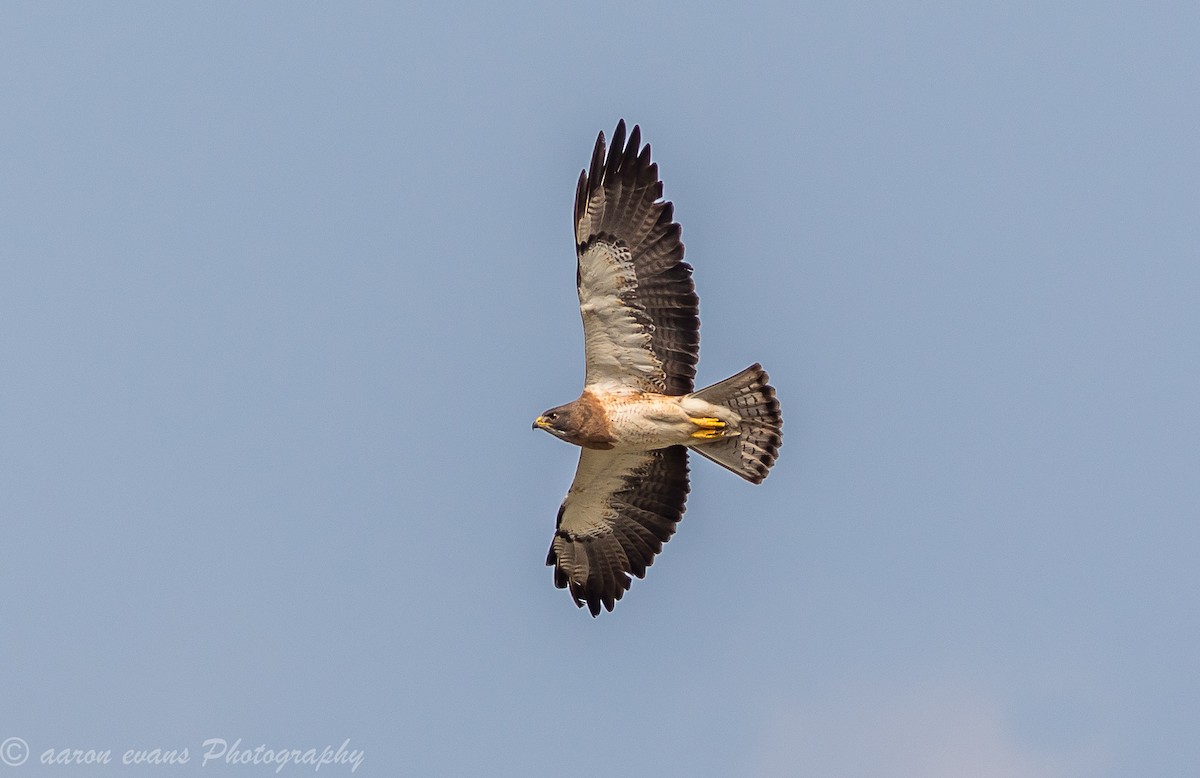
[(551, 416)]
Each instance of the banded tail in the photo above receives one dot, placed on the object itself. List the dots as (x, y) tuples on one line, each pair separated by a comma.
[(751, 453)]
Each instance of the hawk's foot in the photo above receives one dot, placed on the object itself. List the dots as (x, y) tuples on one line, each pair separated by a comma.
[(708, 434)]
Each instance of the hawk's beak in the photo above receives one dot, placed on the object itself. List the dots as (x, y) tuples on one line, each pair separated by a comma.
[(540, 422)]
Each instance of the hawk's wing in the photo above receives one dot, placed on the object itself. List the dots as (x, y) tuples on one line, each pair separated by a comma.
[(620, 510), (640, 311)]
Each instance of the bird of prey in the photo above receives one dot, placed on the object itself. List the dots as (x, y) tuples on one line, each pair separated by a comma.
[(638, 415)]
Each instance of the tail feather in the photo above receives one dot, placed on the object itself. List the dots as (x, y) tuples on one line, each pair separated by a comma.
[(750, 453)]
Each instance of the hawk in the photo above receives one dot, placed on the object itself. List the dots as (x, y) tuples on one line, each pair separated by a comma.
[(638, 415)]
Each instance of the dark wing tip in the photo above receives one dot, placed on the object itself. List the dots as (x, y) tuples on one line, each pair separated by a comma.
[(616, 152), (581, 196), (596, 168)]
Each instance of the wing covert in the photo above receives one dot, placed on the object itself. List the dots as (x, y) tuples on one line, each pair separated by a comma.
[(636, 296), (620, 510)]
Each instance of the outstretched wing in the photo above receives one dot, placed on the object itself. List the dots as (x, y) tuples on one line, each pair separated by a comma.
[(640, 311), (620, 510)]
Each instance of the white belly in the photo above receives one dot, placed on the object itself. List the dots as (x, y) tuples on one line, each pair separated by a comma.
[(648, 421)]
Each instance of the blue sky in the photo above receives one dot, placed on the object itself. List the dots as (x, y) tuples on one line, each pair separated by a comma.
[(282, 287)]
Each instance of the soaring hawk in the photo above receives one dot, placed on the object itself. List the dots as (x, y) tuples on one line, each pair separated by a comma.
[(638, 415)]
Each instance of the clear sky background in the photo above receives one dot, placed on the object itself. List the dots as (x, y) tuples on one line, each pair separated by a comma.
[(282, 288)]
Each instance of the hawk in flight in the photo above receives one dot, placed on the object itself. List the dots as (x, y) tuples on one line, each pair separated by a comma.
[(638, 415)]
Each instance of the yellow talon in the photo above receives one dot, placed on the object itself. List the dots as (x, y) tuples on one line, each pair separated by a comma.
[(709, 434), (707, 422)]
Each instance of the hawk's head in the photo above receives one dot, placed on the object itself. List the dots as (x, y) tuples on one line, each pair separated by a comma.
[(582, 422), (556, 421)]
